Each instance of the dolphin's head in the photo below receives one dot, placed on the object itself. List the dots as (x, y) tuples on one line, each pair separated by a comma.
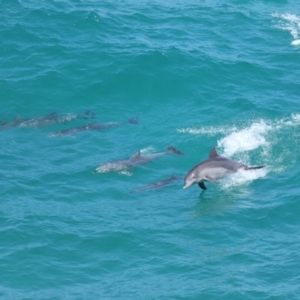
[(190, 178)]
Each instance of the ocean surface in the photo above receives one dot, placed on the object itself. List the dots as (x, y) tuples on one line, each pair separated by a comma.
[(195, 74)]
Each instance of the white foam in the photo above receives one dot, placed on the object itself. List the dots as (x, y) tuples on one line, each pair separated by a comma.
[(244, 136), (296, 118), (295, 43), (247, 139), (205, 130), (243, 177), (293, 121), (148, 150), (291, 23), (125, 173)]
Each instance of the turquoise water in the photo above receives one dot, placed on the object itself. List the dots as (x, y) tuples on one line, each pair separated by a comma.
[(196, 75)]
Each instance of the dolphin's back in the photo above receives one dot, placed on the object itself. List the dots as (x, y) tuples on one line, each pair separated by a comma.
[(227, 163), (217, 166)]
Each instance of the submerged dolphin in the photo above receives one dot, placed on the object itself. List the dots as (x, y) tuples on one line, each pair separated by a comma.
[(91, 126), (213, 168), (136, 159), (55, 118), (45, 120), (158, 184), (7, 125)]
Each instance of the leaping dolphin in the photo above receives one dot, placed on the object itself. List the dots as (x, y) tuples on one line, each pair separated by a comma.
[(136, 159), (213, 168)]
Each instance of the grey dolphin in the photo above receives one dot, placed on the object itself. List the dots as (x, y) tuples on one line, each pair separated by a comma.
[(213, 168), (158, 184), (91, 126), (136, 159), (52, 118), (7, 125)]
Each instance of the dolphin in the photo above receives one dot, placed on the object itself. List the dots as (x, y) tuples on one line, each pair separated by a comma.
[(91, 126), (52, 118), (136, 159), (213, 168), (7, 125), (158, 184)]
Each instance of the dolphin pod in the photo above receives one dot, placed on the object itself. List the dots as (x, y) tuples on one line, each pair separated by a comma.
[(210, 169), (213, 168), (124, 165)]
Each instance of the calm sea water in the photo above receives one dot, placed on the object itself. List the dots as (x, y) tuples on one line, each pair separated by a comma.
[(196, 75)]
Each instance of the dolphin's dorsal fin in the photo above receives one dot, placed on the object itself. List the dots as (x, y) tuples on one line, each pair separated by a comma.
[(135, 155), (213, 153)]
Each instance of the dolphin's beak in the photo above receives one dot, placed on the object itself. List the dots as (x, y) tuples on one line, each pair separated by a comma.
[(186, 186)]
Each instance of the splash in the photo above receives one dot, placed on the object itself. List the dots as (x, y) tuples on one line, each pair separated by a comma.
[(295, 43), (289, 22), (206, 130), (243, 177), (296, 118), (246, 139), (237, 139), (260, 142)]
